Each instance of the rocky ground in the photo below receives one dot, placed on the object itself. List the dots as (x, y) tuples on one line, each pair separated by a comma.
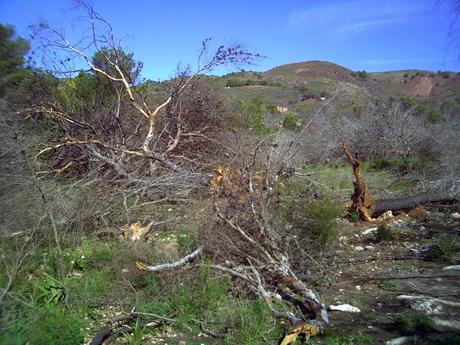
[(404, 277)]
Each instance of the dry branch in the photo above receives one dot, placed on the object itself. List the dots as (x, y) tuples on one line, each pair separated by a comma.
[(173, 265)]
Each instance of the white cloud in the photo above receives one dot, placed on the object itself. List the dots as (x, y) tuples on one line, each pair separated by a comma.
[(350, 17)]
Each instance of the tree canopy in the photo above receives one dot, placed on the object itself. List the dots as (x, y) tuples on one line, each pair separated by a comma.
[(12, 52)]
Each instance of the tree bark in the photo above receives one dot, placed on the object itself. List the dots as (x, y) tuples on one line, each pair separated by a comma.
[(409, 202)]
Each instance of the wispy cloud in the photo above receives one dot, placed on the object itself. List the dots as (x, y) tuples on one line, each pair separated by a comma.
[(352, 17), (378, 62), (369, 24)]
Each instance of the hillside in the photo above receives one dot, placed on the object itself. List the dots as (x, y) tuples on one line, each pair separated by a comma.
[(224, 210)]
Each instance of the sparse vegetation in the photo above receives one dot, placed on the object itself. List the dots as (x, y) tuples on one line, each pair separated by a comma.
[(212, 204), (384, 234), (444, 248)]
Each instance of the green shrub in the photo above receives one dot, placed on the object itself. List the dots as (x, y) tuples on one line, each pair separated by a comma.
[(404, 324), (415, 323), (256, 112), (407, 102), (434, 115), (354, 217), (291, 121), (384, 233), (444, 248), (322, 215), (421, 108), (360, 74)]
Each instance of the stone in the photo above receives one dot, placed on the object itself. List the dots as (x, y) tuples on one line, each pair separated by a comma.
[(369, 231)]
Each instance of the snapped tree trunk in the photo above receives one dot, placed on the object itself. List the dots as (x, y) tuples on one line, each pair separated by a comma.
[(368, 208), (362, 200)]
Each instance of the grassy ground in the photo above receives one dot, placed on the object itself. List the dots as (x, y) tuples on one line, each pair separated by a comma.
[(65, 297)]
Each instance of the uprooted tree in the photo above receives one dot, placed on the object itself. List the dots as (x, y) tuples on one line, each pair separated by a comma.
[(364, 204)]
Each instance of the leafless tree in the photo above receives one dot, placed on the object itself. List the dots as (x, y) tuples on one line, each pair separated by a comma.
[(135, 138)]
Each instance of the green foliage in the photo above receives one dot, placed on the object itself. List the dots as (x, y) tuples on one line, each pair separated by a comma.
[(434, 115), (186, 237), (400, 165), (130, 68), (407, 102), (409, 324), (360, 74), (322, 215), (56, 326), (386, 285), (80, 94), (136, 337), (444, 248), (257, 112), (354, 217), (49, 291), (384, 233), (421, 108), (291, 121), (12, 51)]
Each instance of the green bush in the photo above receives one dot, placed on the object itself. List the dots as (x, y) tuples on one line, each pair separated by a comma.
[(384, 233), (322, 215), (421, 108), (444, 248), (256, 112), (360, 74), (407, 102), (291, 121), (434, 115)]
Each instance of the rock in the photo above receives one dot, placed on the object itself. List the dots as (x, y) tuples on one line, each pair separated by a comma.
[(453, 267), (443, 313), (455, 215), (386, 215), (369, 231), (345, 308), (402, 340), (369, 247), (422, 228), (358, 249)]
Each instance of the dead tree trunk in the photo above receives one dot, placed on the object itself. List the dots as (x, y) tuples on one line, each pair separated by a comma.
[(408, 202), (362, 200), (364, 204)]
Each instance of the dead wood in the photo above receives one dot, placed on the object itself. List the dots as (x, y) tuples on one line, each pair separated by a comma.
[(362, 200), (119, 324), (405, 203), (173, 265), (368, 208)]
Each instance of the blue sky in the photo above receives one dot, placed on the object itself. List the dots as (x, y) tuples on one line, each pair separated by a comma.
[(358, 34)]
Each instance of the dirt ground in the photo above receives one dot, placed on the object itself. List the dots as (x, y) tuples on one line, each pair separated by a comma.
[(370, 274)]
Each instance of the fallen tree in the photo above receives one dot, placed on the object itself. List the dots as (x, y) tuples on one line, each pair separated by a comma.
[(364, 204), (406, 203)]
